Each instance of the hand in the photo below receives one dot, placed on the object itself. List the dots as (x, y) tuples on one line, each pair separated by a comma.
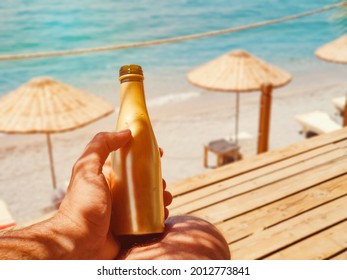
[(167, 195), (87, 205), (86, 208)]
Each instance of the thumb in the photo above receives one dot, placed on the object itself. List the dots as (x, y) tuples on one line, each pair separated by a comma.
[(102, 145)]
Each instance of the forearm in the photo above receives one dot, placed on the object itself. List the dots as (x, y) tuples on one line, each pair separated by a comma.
[(45, 240), (39, 241)]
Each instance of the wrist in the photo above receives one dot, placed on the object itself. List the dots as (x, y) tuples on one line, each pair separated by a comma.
[(71, 239)]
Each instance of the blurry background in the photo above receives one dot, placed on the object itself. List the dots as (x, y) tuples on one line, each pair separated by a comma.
[(184, 117)]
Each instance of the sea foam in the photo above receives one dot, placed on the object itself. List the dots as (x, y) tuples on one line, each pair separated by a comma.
[(172, 98)]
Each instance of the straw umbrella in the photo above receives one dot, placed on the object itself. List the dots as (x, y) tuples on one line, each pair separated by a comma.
[(335, 51), (238, 71), (44, 105)]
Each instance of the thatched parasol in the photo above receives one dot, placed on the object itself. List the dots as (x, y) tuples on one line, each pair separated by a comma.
[(335, 51), (44, 105), (238, 71)]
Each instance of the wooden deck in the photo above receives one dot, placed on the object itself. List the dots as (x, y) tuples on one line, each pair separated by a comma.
[(289, 203)]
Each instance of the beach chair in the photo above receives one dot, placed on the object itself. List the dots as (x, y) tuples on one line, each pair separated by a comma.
[(339, 103), (316, 122), (6, 219)]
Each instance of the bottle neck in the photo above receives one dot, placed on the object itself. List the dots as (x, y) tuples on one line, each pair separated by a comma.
[(132, 90), (131, 78)]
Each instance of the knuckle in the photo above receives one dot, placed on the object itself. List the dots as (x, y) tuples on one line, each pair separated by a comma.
[(77, 166), (101, 136), (100, 141)]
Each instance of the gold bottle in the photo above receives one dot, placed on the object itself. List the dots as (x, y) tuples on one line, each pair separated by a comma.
[(137, 193)]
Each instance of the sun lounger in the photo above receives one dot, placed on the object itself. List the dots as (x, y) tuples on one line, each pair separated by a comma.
[(339, 103), (316, 122), (6, 219)]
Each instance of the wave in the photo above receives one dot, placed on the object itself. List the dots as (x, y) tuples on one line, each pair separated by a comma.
[(172, 98)]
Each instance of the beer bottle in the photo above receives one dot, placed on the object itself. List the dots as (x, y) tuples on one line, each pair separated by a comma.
[(137, 192)]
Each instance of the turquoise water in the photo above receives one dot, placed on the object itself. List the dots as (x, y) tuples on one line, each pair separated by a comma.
[(68, 24)]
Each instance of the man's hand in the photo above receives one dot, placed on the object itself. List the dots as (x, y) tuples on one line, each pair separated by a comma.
[(87, 206)]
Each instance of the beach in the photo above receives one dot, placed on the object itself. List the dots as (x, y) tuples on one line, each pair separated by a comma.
[(182, 124)]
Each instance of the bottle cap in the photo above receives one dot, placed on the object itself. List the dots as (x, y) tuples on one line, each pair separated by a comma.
[(130, 69)]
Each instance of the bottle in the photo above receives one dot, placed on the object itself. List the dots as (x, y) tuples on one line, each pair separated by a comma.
[(137, 193)]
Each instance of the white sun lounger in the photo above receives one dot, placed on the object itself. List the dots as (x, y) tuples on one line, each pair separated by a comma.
[(6, 219), (339, 103), (316, 122)]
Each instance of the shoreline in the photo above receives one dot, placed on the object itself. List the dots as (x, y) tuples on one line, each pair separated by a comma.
[(182, 126)]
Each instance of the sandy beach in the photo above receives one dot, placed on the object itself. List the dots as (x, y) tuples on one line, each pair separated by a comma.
[(182, 126)]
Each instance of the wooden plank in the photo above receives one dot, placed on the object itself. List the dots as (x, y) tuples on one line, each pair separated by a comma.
[(255, 162), (237, 205), (235, 186), (232, 187), (271, 214), (284, 234), (317, 247), (341, 144), (341, 256), (206, 191)]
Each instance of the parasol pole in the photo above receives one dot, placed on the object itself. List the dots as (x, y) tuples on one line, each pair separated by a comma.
[(264, 118), (50, 155), (345, 112), (237, 117)]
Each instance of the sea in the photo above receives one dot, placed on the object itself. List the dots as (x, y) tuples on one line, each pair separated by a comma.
[(46, 26)]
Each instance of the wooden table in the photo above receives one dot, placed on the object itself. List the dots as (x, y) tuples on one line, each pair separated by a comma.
[(289, 203)]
